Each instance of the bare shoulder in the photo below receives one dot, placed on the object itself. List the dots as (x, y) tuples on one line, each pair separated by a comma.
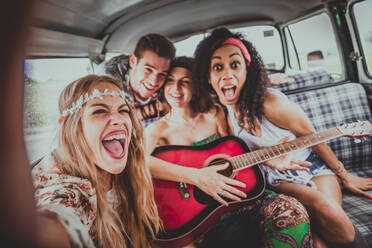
[(275, 99), (215, 112), (156, 128), (275, 95), (218, 118), (154, 133)]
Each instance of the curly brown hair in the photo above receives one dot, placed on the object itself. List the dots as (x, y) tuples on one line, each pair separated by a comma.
[(254, 91)]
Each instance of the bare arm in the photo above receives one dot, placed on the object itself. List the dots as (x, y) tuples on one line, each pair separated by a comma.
[(207, 179), (286, 114), (221, 121)]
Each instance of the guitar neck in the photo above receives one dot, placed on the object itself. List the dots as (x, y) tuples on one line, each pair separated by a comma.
[(259, 156)]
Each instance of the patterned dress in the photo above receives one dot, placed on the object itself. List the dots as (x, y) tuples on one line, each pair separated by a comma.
[(71, 200), (272, 220)]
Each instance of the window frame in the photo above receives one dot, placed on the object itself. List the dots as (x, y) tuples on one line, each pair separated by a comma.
[(358, 38), (310, 14), (234, 27)]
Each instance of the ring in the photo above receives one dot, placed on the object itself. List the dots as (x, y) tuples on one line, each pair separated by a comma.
[(222, 193)]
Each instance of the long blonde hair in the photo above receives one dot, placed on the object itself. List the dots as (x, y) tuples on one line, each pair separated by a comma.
[(134, 217)]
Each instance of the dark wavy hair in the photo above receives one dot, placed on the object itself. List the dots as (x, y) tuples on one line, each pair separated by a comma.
[(201, 102), (254, 91)]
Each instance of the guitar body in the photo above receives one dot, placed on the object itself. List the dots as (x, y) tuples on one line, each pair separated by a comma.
[(185, 219)]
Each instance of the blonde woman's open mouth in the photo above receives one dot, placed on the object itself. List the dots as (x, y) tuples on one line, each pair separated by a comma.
[(114, 144)]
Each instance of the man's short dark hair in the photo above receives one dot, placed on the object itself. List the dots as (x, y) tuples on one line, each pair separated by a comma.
[(156, 43)]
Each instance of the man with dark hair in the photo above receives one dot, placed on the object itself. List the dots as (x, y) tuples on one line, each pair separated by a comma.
[(143, 73)]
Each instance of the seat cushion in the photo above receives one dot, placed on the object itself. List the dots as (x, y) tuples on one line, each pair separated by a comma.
[(332, 106), (305, 79), (329, 107)]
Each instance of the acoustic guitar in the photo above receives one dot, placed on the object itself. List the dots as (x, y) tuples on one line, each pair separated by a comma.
[(187, 212)]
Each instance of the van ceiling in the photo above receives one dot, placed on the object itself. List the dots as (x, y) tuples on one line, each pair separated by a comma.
[(117, 24)]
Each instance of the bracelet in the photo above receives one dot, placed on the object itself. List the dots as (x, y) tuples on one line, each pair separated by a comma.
[(340, 170)]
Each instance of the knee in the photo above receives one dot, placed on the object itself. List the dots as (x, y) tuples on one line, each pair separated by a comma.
[(331, 217), (329, 212)]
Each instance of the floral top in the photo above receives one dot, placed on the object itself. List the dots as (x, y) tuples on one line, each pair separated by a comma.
[(72, 200)]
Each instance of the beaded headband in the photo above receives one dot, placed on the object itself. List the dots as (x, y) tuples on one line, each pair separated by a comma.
[(85, 98)]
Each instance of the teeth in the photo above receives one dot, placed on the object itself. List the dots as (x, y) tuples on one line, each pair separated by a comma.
[(173, 95), (228, 87), (149, 86), (118, 137)]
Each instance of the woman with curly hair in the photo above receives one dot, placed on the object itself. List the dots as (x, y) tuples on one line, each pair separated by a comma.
[(194, 120), (94, 189), (262, 117)]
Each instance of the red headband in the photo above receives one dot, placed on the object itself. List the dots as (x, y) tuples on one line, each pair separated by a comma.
[(238, 43)]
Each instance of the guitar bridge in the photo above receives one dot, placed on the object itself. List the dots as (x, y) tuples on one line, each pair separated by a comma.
[(183, 188)]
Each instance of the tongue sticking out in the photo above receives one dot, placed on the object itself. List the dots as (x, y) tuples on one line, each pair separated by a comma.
[(114, 147), (229, 93)]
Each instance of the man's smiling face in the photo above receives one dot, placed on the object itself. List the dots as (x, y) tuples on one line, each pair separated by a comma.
[(148, 73)]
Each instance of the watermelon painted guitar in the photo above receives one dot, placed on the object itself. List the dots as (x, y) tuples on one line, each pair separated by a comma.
[(187, 212)]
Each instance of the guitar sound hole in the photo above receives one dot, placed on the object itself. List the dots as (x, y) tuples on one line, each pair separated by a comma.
[(204, 198), (220, 161)]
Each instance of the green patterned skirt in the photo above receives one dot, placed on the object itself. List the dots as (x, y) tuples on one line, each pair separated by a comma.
[(273, 220)]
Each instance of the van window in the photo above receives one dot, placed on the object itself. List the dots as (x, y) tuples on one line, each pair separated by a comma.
[(362, 13), (44, 81), (187, 46), (266, 39), (315, 45)]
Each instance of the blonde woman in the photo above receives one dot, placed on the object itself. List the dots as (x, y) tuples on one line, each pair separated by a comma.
[(94, 189)]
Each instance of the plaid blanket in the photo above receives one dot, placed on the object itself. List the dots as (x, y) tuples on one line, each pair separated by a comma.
[(332, 106)]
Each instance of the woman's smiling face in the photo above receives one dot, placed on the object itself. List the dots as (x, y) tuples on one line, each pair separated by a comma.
[(107, 128), (227, 73), (177, 89)]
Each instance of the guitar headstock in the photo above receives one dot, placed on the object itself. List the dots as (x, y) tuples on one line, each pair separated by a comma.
[(356, 129)]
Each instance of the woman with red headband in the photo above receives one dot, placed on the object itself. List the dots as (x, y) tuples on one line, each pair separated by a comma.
[(194, 120), (262, 117)]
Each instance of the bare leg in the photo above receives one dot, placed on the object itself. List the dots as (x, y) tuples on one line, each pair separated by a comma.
[(328, 218), (329, 186), (318, 241)]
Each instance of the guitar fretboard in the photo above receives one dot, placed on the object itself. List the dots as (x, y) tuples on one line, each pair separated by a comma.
[(259, 156)]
